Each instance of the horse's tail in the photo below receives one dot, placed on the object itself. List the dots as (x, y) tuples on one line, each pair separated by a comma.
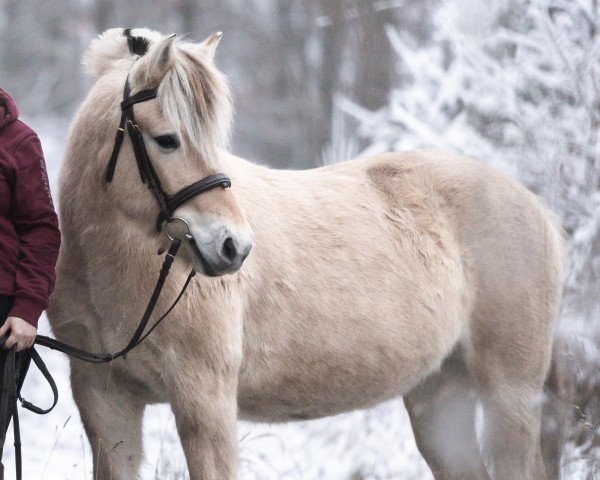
[(554, 412), (555, 405)]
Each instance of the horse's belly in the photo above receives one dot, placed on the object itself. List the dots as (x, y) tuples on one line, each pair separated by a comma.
[(314, 400), (345, 372)]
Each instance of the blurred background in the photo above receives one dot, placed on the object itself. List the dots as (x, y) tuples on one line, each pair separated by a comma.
[(286, 59), (515, 83)]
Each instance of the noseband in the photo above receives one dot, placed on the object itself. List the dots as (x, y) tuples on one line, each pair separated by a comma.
[(167, 203)]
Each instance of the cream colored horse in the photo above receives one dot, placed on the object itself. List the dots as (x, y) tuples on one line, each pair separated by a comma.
[(422, 274)]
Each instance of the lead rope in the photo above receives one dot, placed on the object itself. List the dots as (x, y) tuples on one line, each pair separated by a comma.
[(7, 399), (10, 392), (136, 338), (8, 408)]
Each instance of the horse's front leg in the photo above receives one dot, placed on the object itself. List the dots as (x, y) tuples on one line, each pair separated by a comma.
[(111, 412), (204, 401)]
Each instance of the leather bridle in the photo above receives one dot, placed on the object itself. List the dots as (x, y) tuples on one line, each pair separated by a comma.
[(166, 203)]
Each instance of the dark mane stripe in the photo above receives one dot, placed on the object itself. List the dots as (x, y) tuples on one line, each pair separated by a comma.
[(137, 45)]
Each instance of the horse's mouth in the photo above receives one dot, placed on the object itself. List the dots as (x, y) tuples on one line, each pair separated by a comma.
[(208, 270)]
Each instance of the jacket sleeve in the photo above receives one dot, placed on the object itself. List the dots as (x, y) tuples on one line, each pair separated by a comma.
[(36, 224)]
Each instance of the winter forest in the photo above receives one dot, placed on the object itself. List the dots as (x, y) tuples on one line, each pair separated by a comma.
[(514, 83)]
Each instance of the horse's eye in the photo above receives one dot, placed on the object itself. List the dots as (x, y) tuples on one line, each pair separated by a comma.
[(167, 142)]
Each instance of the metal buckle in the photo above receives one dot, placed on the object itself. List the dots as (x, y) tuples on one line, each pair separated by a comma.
[(174, 234), (133, 126)]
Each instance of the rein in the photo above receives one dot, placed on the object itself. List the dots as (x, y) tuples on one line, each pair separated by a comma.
[(167, 205), (138, 336), (13, 378)]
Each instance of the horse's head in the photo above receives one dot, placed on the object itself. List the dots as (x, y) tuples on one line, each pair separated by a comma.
[(183, 130)]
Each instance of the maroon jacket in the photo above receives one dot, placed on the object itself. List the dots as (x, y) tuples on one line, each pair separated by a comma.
[(29, 235)]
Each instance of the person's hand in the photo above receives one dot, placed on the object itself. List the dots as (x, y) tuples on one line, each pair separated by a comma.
[(22, 333)]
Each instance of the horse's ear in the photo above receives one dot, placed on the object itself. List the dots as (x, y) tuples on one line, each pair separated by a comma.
[(209, 46), (151, 68)]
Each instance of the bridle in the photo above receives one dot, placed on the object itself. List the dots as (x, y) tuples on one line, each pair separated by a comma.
[(167, 205)]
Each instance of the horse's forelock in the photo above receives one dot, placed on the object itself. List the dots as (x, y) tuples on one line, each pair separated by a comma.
[(137, 45), (194, 95), (196, 99)]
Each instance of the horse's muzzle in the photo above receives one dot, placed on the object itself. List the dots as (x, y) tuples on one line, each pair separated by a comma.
[(225, 253)]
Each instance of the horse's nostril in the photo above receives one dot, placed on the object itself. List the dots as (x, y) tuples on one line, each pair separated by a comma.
[(229, 251)]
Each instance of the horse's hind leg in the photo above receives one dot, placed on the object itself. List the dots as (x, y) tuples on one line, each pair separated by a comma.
[(112, 417), (512, 434), (442, 415), (554, 414), (510, 367)]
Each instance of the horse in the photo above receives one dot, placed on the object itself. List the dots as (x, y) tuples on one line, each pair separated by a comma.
[(421, 274)]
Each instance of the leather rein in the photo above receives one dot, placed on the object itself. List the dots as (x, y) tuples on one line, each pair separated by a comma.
[(167, 205)]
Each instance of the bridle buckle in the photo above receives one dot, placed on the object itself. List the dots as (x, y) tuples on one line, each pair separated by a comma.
[(133, 126), (173, 234)]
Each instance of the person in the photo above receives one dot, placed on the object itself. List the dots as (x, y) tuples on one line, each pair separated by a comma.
[(29, 244)]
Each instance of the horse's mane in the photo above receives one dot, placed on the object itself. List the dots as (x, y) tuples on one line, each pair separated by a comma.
[(194, 95)]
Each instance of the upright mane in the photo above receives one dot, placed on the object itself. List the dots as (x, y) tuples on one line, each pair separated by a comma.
[(193, 95)]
